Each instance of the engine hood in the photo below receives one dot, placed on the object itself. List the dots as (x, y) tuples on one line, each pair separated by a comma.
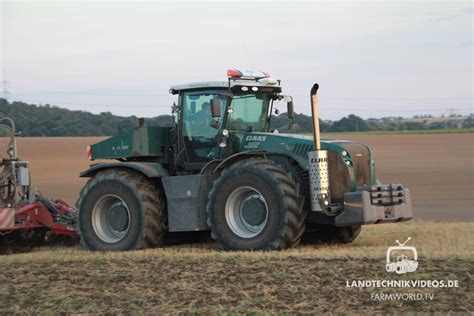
[(297, 146), (349, 162)]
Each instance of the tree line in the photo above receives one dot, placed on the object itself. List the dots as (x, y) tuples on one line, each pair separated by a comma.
[(352, 123), (47, 120)]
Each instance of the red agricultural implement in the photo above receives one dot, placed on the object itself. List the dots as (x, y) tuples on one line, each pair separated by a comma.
[(24, 213)]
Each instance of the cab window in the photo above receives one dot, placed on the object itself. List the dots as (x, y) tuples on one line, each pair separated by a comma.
[(197, 130)]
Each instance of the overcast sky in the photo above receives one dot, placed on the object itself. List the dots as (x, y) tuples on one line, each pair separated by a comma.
[(371, 58)]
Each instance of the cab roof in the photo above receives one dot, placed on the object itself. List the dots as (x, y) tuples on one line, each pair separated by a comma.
[(198, 85), (175, 89)]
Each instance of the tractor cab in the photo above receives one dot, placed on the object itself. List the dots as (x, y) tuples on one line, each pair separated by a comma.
[(209, 113)]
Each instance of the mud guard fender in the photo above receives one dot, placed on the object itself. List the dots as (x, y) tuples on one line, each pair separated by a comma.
[(279, 158), (213, 168), (148, 169)]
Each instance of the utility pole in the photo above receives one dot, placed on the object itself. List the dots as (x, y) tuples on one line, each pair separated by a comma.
[(5, 86)]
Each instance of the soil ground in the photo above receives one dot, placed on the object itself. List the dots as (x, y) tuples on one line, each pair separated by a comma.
[(197, 278), (438, 168)]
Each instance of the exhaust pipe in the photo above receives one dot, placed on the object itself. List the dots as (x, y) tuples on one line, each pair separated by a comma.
[(315, 114), (318, 163)]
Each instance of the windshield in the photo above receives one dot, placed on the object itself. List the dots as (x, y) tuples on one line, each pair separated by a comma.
[(250, 112)]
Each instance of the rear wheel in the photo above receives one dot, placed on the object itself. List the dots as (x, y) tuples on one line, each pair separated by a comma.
[(121, 210), (255, 204)]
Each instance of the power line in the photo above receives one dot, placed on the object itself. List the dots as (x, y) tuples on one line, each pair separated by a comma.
[(98, 94), (321, 97), (396, 98), (388, 110), (95, 105)]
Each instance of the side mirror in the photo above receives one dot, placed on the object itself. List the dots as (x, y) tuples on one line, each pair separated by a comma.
[(216, 107), (291, 112)]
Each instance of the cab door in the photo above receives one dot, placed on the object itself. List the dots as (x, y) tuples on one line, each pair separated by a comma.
[(200, 138)]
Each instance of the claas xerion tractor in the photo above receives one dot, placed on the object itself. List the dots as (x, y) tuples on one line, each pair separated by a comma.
[(221, 168)]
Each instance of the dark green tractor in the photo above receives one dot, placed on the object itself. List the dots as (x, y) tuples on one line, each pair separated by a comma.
[(220, 168)]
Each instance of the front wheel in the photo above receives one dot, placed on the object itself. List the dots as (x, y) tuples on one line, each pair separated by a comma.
[(255, 204), (331, 234), (120, 210)]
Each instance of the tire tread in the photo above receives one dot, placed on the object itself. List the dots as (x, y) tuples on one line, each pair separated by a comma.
[(151, 198), (294, 219)]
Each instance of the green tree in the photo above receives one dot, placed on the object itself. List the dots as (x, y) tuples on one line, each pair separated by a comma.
[(350, 123)]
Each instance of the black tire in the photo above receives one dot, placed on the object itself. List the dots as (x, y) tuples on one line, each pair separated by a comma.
[(285, 218), (146, 217), (318, 233), (331, 234)]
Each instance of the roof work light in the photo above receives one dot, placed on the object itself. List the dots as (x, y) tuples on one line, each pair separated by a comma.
[(247, 74), (254, 75)]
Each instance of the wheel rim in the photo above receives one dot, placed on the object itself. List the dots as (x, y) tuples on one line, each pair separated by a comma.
[(246, 212), (110, 218)]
